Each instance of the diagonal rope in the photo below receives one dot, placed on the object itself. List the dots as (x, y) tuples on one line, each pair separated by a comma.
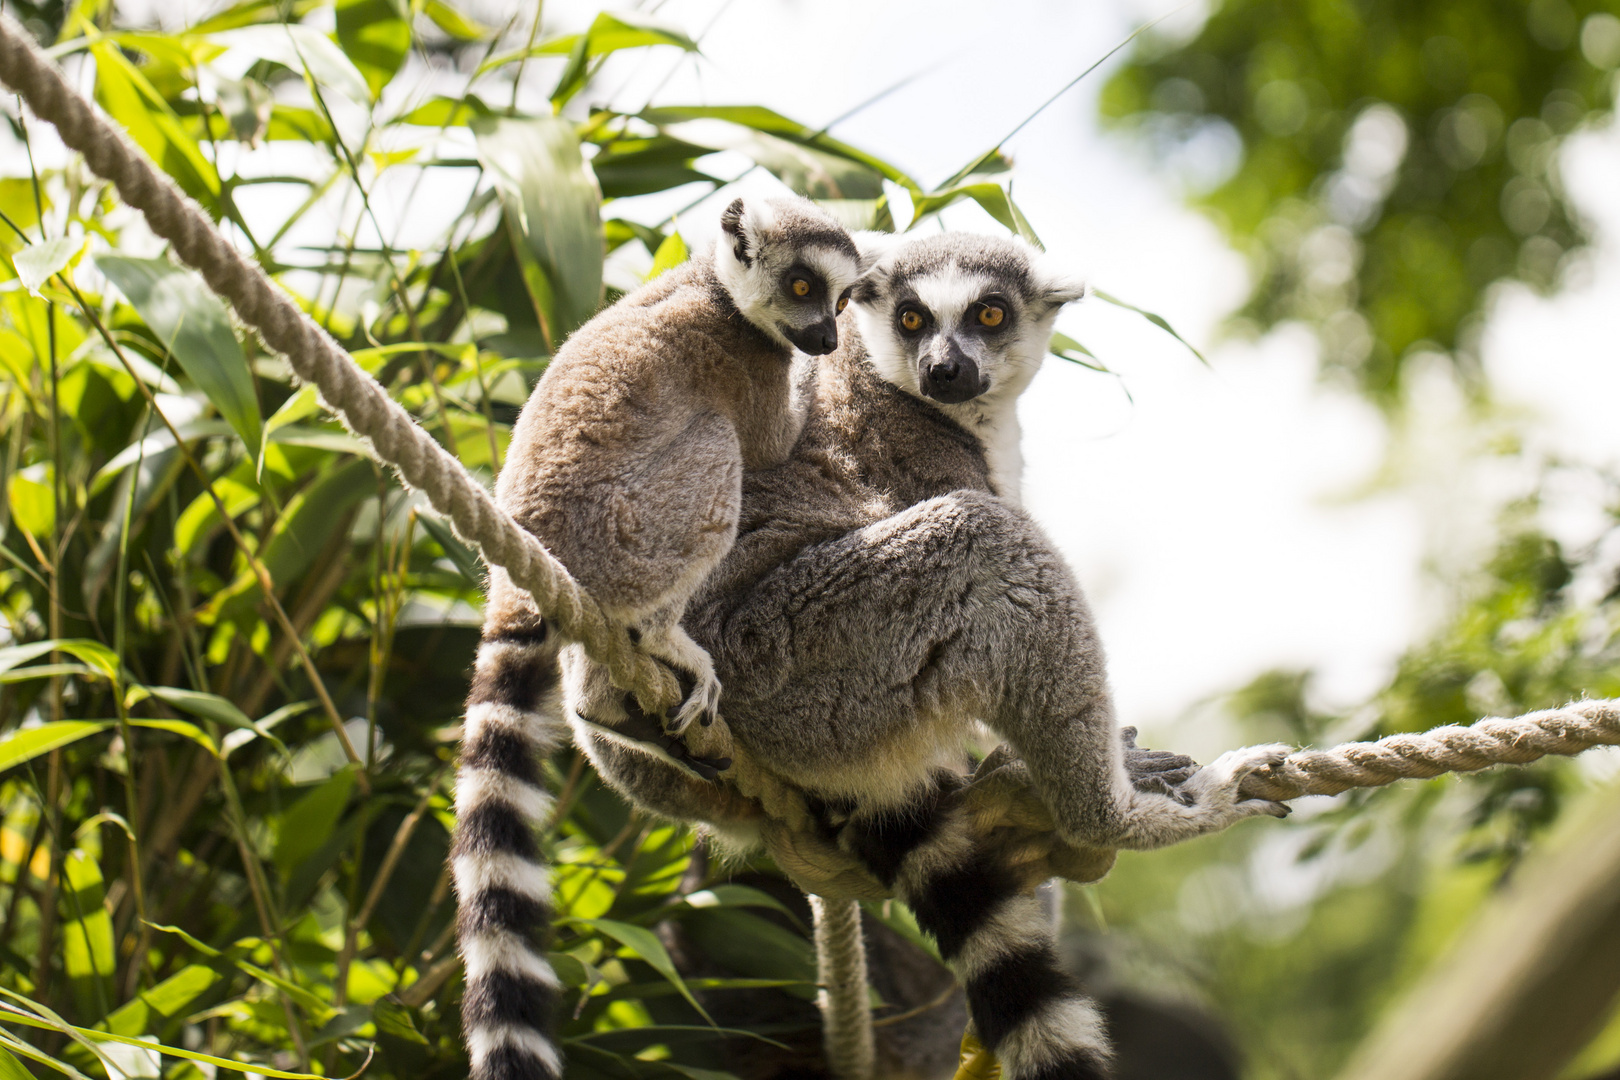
[(369, 412), (363, 404)]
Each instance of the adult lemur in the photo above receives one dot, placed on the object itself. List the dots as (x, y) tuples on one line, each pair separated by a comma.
[(627, 463), (885, 594)]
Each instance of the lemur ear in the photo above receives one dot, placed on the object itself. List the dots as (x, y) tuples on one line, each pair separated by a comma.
[(873, 245), (1056, 285), (731, 223)]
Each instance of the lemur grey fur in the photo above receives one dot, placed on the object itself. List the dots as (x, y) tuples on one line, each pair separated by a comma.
[(627, 463), (886, 593)]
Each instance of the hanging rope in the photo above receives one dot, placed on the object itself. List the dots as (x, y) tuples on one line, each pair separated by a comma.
[(1001, 797)]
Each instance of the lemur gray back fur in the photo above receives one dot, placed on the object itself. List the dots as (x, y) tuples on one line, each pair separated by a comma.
[(627, 463), (883, 598)]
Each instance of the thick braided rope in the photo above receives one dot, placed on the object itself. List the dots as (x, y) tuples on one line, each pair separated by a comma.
[(846, 1015), (363, 404), (1577, 726)]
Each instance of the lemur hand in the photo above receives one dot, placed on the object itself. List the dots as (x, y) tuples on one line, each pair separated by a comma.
[(1160, 771)]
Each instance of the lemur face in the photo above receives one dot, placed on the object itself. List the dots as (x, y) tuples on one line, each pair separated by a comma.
[(960, 317), (789, 268)]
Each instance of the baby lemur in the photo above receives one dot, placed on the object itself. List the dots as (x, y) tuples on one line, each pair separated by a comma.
[(627, 463), (885, 594)]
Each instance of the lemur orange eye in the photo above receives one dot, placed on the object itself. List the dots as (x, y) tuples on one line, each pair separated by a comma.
[(843, 302), (801, 287), (991, 315), (911, 321)]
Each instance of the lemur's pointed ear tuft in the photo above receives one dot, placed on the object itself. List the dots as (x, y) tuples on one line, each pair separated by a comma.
[(731, 223), (1058, 285), (873, 245)]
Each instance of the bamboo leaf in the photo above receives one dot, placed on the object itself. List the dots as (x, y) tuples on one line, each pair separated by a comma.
[(645, 945), (376, 36), (553, 211), (30, 743), (11, 1068), (306, 825), (454, 22), (31, 495), (193, 325), (610, 32), (670, 254), (93, 653), (1156, 320), (303, 49), (1065, 347), (464, 557), (38, 263), (774, 123)]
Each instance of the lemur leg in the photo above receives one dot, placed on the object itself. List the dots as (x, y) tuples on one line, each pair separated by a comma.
[(992, 929), (851, 662), (503, 887)]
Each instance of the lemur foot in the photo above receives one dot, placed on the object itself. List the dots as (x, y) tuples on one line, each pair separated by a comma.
[(694, 671), (1214, 788)]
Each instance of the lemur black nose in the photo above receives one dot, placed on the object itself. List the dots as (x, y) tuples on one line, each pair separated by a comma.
[(829, 338), (945, 370)]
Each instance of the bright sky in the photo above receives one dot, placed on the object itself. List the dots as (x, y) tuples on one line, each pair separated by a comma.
[(1220, 522)]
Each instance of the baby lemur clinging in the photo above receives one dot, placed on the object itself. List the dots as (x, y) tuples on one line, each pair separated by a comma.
[(885, 594), (627, 463)]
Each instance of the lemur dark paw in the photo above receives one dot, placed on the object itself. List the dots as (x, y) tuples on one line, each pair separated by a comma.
[(638, 725), (1158, 771)]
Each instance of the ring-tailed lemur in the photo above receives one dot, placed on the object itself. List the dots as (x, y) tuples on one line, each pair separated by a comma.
[(627, 463), (886, 592)]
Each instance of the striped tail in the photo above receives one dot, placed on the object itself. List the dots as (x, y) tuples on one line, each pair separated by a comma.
[(997, 936), (503, 886)]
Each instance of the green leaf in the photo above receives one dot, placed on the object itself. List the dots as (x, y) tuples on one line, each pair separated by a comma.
[(192, 324), (464, 557), (317, 1008), (645, 944), (394, 1019), (149, 447), (1156, 320), (731, 895), (774, 123), (638, 166), (810, 171), (305, 827), (303, 49), (993, 197), (11, 1068), (38, 263), (454, 23), (376, 35), (87, 934), (93, 653), (199, 520), (1065, 347), (146, 118), (445, 112), (553, 210), (181, 728), (32, 495), (162, 1002), (610, 32), (208, 706), (670, 254), (30, 743)]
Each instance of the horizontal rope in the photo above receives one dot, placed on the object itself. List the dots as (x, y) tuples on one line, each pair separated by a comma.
[(1577, 726)]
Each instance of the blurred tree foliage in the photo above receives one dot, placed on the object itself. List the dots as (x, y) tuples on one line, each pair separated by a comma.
[(1381, 162)]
